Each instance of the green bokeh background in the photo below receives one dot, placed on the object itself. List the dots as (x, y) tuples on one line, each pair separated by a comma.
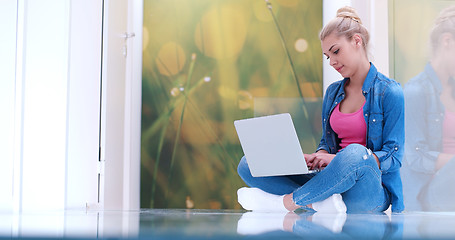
[(207, 63), (410, 23)]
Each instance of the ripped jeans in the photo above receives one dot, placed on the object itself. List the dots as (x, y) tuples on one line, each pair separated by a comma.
[(353, 173)]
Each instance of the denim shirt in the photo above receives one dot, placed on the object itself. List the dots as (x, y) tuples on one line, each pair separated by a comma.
[(424, 119), (384, 115)]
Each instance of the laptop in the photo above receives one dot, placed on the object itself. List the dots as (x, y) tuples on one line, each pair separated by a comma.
[(271, 146)]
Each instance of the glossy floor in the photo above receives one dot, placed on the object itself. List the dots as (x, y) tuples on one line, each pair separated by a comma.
[(225, 224)]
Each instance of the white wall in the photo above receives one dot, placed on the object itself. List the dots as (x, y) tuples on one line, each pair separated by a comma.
[(84, 90), (45, 86), (58, 101), (374, 15), (51, 69), (8, 13)]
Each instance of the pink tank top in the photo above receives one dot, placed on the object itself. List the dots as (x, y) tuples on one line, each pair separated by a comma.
[(350, 127), (448, 133)]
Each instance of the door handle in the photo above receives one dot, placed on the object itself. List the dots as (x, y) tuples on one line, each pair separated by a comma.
[(128, 35)]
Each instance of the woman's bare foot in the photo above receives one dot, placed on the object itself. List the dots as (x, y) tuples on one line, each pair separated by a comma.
[(289, 203)]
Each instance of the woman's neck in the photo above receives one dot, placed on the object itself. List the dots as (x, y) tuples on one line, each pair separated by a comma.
[(357, 79), (439, 67)]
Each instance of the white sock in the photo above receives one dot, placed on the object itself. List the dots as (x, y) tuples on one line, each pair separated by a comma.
[(260, 222), (257, 200), (333, 204), (332, 221)]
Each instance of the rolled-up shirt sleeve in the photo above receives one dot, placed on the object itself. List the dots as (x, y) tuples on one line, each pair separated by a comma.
[(420, 151), (325, 118), (393, 131)]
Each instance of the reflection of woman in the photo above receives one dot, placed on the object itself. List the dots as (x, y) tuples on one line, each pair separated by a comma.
[(317, 225), (430, 118), (363, 134)]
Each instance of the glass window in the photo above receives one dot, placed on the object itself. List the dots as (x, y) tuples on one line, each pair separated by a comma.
[(207, 63)]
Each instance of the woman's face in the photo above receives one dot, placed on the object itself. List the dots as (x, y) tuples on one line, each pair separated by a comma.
[(444, 56), (449, 53), (344, 54)]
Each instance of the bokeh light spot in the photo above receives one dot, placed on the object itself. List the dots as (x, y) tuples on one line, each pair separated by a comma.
[(145, 38), (170, 59), (301, 45), (221, 33), (175, 92)]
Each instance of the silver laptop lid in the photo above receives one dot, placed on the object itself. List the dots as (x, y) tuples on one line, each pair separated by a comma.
[(271, 145)]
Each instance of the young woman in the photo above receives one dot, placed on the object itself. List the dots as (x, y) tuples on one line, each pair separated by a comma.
[(361, 147), (429, 162)]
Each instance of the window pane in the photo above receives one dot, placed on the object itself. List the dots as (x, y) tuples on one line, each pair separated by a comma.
[(207, 63)]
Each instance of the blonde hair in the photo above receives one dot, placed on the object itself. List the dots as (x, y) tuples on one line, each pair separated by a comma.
[(444, 23), (346, 23)]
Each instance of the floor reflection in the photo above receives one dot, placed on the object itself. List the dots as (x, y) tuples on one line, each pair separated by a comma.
[(225, 224)]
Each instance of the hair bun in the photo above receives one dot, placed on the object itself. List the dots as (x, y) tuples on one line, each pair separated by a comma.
[(348, 12), (445, 15)]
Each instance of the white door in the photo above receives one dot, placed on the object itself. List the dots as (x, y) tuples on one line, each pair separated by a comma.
[(119, 158)]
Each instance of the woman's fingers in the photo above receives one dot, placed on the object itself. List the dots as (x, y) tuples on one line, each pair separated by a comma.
[(309, 158), (322, 164), (318, 160), (322, 160)]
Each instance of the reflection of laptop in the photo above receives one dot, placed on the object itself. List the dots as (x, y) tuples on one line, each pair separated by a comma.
[(271, 145)]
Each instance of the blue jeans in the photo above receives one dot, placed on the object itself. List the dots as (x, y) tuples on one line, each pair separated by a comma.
[(353, 173)]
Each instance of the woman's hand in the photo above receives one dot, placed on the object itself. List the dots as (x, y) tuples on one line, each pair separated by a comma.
[(318, 159)]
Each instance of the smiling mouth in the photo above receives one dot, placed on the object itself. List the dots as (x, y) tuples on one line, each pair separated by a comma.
[(339, 69)]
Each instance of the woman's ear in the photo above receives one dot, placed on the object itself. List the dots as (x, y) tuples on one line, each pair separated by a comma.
[(446, 39), (357, 40)]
